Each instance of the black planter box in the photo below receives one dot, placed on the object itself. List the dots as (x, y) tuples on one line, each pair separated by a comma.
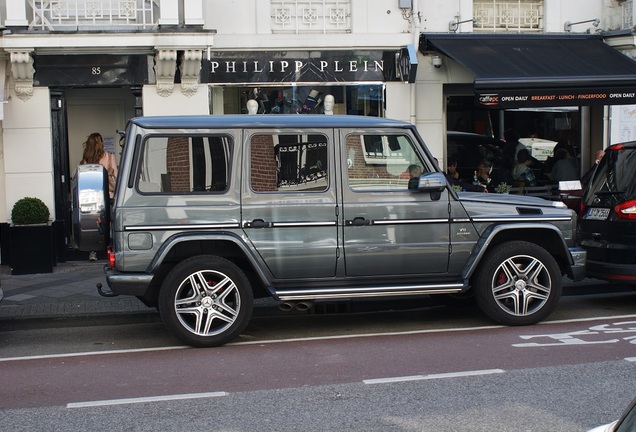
[(32, 249)]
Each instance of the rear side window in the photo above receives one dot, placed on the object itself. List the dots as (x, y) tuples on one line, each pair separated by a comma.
[(185, 164), (288, 163), (614, 181)]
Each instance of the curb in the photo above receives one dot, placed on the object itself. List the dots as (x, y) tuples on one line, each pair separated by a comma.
[(79, 320)]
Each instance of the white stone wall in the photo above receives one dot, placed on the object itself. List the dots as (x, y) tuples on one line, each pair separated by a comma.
[(28, 159), (177, 103)]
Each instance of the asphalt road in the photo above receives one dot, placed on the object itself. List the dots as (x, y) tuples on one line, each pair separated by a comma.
[(431, 368)]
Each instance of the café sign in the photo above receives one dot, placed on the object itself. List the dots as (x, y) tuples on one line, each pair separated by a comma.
[(557, 97)]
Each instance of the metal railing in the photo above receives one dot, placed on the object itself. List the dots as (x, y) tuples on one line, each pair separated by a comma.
[(93, 14), (317, 16), (510, 15)]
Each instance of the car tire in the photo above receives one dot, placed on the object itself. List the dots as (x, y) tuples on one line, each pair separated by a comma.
[(206, 301), (517, 283)]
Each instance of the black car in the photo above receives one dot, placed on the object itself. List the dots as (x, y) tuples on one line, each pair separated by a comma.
[(607, 226), (470, 149)]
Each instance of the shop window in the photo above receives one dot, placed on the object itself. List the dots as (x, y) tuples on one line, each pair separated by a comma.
[(288, 163), (184, 164), (382, 162), (365, 99), (520, 15)]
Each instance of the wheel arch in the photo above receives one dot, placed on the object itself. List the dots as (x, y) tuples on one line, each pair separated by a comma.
[(545, 235), (226, 245)]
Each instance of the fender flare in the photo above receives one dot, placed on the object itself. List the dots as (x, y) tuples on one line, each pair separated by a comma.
[(254, 259), (490, 233)]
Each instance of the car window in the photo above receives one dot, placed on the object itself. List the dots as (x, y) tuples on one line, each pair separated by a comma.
[(184, 164), (288, 162), (382, 162), (614, 180)]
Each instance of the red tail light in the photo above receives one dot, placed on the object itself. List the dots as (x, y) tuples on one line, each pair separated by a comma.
[(581, 209), (626, 210), (111, 256)]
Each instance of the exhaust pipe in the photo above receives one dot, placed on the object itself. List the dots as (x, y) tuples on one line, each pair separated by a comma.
[(304, 306), (301, 306), (287, 306)]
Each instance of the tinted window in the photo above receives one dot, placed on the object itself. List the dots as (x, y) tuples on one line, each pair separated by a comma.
[(184, 164), (288, 162), (614, 181)]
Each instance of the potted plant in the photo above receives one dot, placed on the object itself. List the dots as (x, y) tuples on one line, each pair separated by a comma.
[(503, 188), (31, 237)]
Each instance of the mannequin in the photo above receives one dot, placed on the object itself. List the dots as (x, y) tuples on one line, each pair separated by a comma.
[(252, 106), (328, 104)]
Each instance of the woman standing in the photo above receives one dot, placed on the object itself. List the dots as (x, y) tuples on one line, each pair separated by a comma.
[(94, 154)]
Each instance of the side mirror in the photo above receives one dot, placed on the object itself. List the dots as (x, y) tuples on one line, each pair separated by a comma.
[(432, 182)]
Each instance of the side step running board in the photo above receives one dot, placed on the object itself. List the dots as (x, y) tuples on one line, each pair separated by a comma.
[(360, 292)]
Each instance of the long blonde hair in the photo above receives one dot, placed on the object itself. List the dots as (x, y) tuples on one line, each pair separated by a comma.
[(93, 149)]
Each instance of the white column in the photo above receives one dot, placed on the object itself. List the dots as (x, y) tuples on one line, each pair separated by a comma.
[(16, 14), (263, 17), (193, 12), (169, 12)]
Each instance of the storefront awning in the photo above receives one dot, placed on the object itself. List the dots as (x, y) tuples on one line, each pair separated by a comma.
[(516, 71)]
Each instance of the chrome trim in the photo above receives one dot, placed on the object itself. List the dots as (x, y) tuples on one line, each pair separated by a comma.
[(181, 227), (338, 293), (522, 219), (407, 221), (301, 224)]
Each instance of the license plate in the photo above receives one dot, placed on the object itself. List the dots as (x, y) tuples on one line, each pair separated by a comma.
[(597, 213)]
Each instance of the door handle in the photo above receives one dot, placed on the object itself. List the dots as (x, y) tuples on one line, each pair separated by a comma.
[(258, 223), (358, 221)]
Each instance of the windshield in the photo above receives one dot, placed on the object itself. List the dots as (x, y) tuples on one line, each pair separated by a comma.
[(613, 181)]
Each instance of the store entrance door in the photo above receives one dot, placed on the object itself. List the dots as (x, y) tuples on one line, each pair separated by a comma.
[(75, 114)]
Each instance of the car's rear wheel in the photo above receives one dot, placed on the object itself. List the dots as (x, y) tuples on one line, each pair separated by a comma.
[(518, 283), (206, 301)]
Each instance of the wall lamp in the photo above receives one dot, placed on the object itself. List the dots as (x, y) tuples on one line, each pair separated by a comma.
[(436, 61), (454, 25), (567, 26)]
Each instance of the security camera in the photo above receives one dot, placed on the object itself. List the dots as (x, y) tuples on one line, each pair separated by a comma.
[(436, 61)]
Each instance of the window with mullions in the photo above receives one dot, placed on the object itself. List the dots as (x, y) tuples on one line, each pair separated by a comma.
[(520, 15), (185, 164), (288, 163)]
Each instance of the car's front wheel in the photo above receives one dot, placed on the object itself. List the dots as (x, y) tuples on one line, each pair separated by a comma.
[(206, 301), (518, 283)]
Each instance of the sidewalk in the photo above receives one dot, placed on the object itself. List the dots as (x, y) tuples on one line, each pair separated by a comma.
[(69, 292)]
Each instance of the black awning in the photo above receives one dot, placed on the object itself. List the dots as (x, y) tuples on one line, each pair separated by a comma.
[(513, 71)]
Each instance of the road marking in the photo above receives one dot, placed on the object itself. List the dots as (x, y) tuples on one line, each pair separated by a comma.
[(92, 353), (630, 359), (433, 376), (309, 339), (365, 335), (144, 400)]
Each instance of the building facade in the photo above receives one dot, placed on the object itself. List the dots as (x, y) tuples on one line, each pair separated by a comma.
[(73, 67)]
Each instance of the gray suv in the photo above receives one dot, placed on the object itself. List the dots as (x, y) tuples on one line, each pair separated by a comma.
[(211, 212)]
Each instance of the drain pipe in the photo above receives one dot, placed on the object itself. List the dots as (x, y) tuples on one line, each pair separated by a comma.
[(416, 41)]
